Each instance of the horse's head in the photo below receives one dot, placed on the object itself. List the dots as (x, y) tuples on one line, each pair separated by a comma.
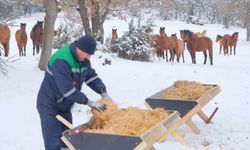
[(174, 36), (22, 26), (40, 24), (218, 37), (187, 35), (162, 31), (235, 35), (114, 31)]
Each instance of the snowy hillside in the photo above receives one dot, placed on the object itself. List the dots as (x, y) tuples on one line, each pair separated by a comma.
[(129, 83)]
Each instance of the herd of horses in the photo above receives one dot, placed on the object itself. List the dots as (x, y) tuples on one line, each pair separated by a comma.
[(163, 44), (195, 42), (21, 38)]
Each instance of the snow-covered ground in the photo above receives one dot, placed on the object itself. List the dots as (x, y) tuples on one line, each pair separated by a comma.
[(129, 83)]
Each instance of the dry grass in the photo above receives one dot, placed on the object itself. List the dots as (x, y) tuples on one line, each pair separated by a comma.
[(129, 121), (188, 90)]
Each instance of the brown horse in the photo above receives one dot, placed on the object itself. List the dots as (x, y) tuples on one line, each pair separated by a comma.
[(195, 44), (180, 50), (21, 39), (114, 36), (168, 43), (223, 42), (36, 36), (233, 42), (157, 44), (5, 38), (203, 34)]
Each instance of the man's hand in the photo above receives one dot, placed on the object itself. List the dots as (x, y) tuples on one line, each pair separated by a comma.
[(106, 96), (96, 105)]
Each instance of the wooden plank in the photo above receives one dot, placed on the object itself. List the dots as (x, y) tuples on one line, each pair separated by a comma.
[(179, 138), (67, 143), (151, 136), (64, 121), (203, 116), (192, 126)]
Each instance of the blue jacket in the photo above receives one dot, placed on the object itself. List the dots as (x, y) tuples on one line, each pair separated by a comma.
[(62, 83)]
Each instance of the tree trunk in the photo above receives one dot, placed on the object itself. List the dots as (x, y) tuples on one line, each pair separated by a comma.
[(96, 20), (84, 15), (51, 9)]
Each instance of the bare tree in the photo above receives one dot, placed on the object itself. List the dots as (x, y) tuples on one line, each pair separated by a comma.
[(51, 9)]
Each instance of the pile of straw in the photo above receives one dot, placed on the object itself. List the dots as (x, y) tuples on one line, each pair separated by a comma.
[(187, 90), (129, 121)]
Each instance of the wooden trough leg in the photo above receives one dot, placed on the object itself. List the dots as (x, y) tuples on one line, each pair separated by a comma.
[(67, 143), (203, 116), (179, 138), (192, 126)]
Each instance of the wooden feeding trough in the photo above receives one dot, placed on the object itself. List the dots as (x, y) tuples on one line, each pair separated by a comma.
[(187, 108), (77, 138)]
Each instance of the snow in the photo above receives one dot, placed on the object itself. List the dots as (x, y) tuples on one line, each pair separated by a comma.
[(129, 83)]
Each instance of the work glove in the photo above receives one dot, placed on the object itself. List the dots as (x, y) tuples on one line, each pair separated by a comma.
[(96, 105), (106, 96)]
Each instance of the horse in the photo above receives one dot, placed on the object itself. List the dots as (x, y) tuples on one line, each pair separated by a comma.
[(233, 42), (157, 40), (168, 43), (180, 50), (114, 36), (21, 39), (195, 44), (36, 36), (5, 38), (203, 34), (223, 42)]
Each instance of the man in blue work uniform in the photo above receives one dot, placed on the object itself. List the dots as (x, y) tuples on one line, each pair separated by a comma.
[(67, 70)]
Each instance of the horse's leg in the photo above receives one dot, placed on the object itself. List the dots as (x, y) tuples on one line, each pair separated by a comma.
[(205, 56), (37, 48), (234, 49), (166, 55), (24, 47), (210, 52), (33, 47), (230, 50), (220, 50), (183, 57), (194, 57)]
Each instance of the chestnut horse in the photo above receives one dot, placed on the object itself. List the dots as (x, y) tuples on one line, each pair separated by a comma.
[(180, 50), (168, 43), (36, 36), (21, 39), (157, 44), (223, 42), (195, 44), (5, 38), (233, 42), (114, 36)]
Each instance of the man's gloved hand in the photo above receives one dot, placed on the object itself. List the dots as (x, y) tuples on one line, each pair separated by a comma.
[(96, 105), (106, 96)]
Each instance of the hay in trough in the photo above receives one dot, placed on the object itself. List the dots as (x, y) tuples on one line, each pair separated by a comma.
[(129, 121), (187, 90)]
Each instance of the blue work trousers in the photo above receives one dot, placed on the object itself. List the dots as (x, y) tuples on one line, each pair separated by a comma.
[(52, 130)]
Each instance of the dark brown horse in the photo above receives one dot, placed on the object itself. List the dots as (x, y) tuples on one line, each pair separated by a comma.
[(5, 38), (36, 36), (233, 42), (195, 44), (21, 39), (223, 42)]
